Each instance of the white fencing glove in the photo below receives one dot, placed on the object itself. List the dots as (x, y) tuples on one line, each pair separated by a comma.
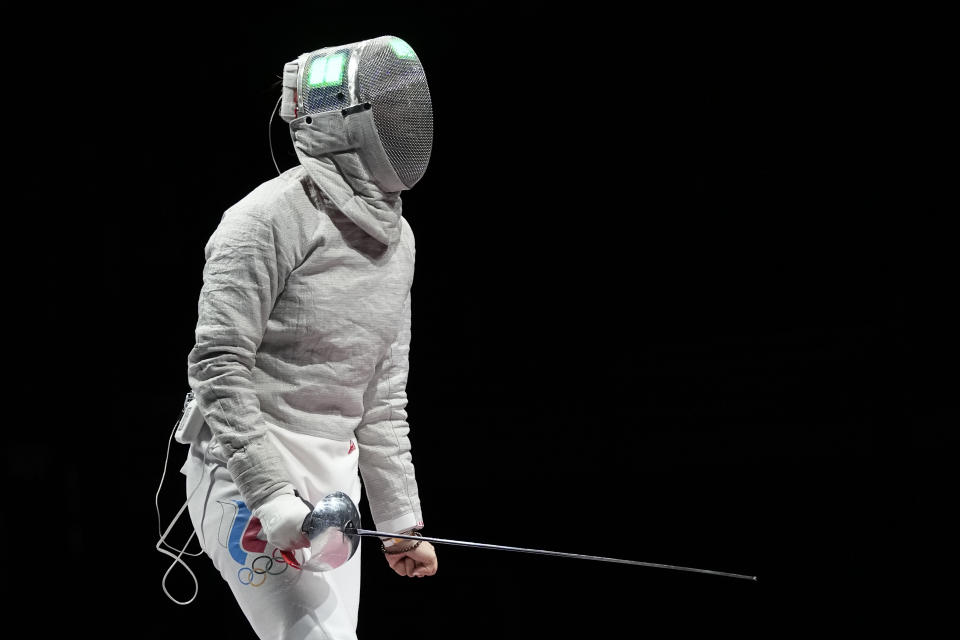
[(282, 518)]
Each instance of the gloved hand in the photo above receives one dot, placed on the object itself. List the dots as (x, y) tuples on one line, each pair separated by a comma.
[(281, 518)]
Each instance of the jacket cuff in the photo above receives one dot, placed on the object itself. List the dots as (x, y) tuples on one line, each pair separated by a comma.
[(409, 520)]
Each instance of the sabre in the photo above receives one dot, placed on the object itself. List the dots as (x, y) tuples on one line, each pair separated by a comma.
[(333, 528)]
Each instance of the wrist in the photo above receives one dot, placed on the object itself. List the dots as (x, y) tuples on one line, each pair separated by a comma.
[(389, 542), (402, 545)]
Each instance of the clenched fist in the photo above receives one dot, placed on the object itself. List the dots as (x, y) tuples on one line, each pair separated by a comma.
[(418, 562)]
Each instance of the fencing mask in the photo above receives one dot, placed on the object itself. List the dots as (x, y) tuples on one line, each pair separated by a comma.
[(378, 88)]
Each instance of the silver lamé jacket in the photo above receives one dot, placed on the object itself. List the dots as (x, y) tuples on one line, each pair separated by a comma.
[(304, 323)]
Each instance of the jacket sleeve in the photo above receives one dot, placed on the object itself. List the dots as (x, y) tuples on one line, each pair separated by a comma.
[(386, 462), (246, 268)]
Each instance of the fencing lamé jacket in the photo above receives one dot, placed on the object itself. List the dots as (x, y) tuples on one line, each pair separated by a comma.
[(304, 324)]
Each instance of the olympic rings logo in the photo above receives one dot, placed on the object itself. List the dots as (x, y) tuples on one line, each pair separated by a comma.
[(248, 575)]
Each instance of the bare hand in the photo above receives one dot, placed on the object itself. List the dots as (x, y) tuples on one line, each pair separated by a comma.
[(419, 562)]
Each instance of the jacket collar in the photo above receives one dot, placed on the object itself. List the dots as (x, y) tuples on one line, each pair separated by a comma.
[(330, 153)]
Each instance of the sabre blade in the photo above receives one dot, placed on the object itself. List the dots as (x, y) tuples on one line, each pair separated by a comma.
[(561, 554)]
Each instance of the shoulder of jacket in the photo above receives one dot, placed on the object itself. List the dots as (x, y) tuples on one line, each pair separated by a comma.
[(278, 203), (266, 197)]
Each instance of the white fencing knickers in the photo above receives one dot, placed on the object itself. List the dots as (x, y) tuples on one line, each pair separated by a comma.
[(280, 602)]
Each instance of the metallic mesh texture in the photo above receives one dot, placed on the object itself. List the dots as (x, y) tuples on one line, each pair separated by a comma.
[(402, 109), (395, 86)]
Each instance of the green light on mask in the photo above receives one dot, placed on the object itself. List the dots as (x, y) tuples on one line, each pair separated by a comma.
[(402, 49), (326, 71)]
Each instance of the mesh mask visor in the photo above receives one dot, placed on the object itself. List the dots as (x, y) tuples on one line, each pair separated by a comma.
[(386, 73)]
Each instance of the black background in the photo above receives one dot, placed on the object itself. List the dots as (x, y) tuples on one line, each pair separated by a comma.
[(679, 298)]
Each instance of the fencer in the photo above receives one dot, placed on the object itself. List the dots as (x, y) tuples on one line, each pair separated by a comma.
[(301, 357)]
